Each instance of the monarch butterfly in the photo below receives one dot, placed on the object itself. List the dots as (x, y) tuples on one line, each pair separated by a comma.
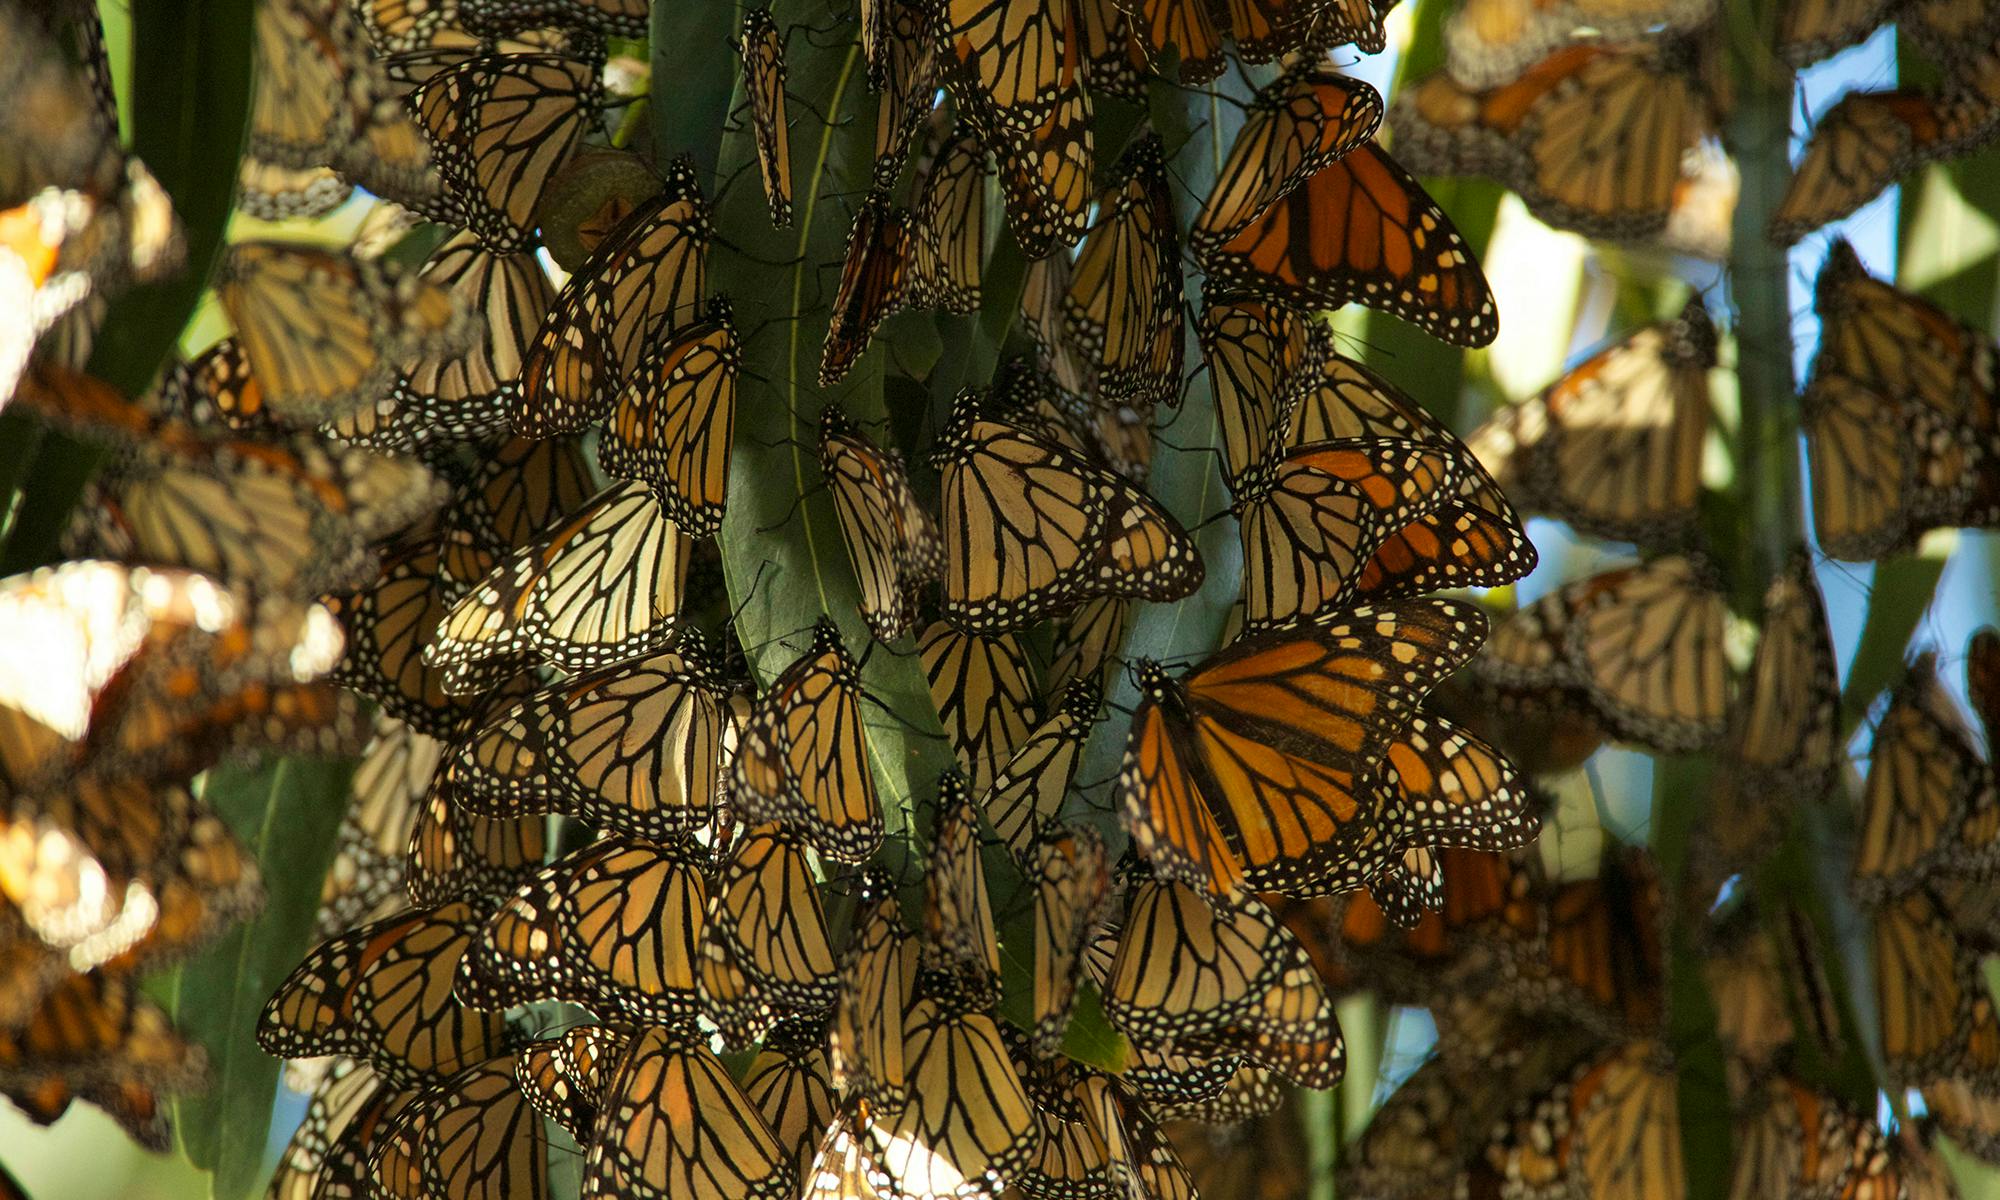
[(763, 53), (643, 281), (367, 870), (891, 540), (674, 419), (1925, 786), (1966, 1115), (1950, 31), (874, 279), (1177, 30), (1787, 728), (1298, 124), (95, 1036), (1310, 517), (324, 333), (1861, 145), (1045, 170), (984, 690), (476, 1136), (565, 1077), (1491, 42), (603, 585), (383, 992), (1072, 878), (1937, 1019), (909, 56), (1591, 137), (1253, 351), (614, 926), (1643, 646), (322, 100), (1031, 529), (328, 1155), (614, 18), (958, 910), (1612, 1128), (1136, 1149), (1123, 307), (387, 623), (969, 1125), (1798, 1140), (1810, 30), (500, 127), (273, 193), (1881, 474), (674, 1124), (802, 760), (788, 1084), (1025, 799), (766, 911), (519, 490), (633, 748), (1602, 945), (1172, 1082), (1471, 539), (1614, 447), (1210, 984), (253, 513), (463, 397), (1911, 352), (948, 246), (1361, 229), (1254, 771), (1084, 644), (877, 973), (455, 852)]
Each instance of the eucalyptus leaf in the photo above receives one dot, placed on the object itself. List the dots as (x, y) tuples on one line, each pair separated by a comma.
[(287, 813)]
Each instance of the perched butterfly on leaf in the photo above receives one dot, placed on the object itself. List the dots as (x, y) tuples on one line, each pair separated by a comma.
[(603, 585), (802, 760), (1030, 529), (1492, 42), (501, 126), (984, 690), (383, 992), (877, 973), (948, 239), (1123, 308), (1311, 516), (1210, 983), (1861, 145), (325, 333), (1361, 230), (644, 281), (1262, 767), (874, 280), (763, 53), (1297, 124), (767, 911), (674, 420), (1469, 539), (633, 747), (969, 1124), (1072, 879), (475, 1136), (1591, 137), (1027, 794), (1614, 447), (615, 927), (891, 540), (673, 1123)]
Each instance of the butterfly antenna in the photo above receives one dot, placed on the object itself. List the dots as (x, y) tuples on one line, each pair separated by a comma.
[(798, 502)]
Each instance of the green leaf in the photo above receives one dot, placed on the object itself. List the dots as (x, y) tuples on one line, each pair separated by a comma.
[(287, 813), (694, 67)]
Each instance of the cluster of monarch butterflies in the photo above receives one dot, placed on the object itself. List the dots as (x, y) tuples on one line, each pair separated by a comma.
[(1606, 117), (573, 795)]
